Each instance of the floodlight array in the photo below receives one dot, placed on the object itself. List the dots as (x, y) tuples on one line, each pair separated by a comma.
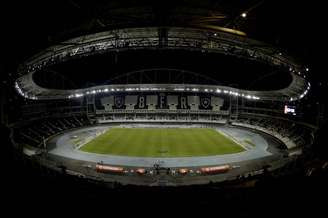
[(159, 89)]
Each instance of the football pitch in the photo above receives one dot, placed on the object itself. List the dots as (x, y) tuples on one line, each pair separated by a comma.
[(162, 142)]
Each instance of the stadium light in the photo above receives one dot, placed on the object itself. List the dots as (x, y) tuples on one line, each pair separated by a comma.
[(133, 89), (78, 95)]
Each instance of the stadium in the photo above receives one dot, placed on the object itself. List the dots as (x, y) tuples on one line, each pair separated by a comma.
[(168, 97)]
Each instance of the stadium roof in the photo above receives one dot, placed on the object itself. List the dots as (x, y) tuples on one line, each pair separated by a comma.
[(176, 38), (283, 24)]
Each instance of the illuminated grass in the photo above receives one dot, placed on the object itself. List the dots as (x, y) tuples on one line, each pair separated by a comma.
[(162, 142)]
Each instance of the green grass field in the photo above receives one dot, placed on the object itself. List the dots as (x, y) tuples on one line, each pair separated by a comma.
[(162, 142)]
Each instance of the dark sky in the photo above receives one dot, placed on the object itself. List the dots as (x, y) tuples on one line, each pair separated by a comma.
[(290, 24), (27, 26)]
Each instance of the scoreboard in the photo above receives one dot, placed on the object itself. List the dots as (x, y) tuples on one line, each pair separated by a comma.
[(290, 110)]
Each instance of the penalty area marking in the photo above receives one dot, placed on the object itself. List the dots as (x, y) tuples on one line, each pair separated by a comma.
[(90, 138), (232, 138)]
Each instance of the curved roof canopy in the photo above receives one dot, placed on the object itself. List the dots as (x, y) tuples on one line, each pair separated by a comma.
[(158, 38)]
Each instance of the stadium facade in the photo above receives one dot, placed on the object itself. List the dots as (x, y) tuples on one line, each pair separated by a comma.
[(57, 120)]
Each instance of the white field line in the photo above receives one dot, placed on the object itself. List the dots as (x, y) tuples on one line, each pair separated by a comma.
[(232, 138), (90, 138)]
